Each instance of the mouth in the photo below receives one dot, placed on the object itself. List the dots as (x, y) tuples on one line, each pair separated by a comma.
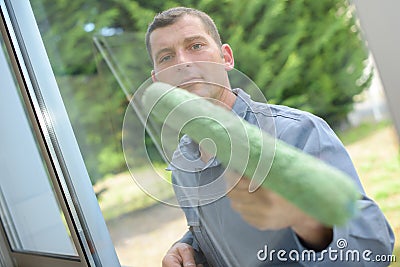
[(189, 82)]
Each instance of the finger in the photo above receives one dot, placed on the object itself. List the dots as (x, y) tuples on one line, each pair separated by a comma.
[(171, 260), (187, 254), (242, 196), (243, 184), (240, 190)]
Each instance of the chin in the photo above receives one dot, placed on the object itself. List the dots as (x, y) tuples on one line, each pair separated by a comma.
[(198, 93), (194, 89)]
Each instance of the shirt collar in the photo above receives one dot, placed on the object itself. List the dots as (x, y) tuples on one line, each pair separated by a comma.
[(242, 102)]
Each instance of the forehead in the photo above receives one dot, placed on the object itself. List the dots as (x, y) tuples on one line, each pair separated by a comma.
[(184, 27)]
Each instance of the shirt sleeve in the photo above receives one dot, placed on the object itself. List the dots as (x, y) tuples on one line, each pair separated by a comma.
[(366, 237), (187, 238)]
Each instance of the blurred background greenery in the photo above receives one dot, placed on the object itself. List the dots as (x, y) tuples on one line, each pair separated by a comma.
[(374, 150), (305, 54)]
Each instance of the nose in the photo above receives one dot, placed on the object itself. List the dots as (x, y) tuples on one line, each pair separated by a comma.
[(182, 60)]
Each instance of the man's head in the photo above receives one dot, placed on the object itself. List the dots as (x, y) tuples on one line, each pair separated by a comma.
[(170, 16), (186, 51)]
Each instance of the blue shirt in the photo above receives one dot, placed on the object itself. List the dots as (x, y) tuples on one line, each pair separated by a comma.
[(223, 238)]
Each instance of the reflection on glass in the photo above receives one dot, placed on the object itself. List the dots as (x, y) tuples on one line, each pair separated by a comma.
[(98, 63), (29, 211)]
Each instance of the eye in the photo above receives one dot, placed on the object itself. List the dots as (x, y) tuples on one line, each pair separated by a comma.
[(197, 46), (165, 58)]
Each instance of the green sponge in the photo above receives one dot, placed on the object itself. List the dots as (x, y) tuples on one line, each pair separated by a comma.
[(318, 189)]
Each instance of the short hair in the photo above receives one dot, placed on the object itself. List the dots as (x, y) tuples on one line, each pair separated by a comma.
[(170, 16)]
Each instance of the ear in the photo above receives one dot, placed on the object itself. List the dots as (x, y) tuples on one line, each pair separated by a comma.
[(227, 54), (153, 76)]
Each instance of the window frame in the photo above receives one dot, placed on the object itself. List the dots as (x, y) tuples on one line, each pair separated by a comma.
[(57, 143)]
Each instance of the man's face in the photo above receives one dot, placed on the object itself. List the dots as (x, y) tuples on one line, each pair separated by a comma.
[(185, 55)]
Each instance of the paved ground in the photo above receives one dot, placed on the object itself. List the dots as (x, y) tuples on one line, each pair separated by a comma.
[(142, 238)]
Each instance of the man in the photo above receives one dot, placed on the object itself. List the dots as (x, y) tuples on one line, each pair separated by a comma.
[(242, 228)]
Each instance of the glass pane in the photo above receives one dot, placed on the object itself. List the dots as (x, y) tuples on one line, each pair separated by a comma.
[(29, 211), (97, 52), (82, 42)]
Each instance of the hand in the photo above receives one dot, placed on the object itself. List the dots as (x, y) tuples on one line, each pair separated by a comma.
[(267, 210), (180, 254), (263, 208)]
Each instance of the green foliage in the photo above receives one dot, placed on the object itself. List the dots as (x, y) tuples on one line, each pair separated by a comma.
[(96, 112), (305, 54), (363, 130)]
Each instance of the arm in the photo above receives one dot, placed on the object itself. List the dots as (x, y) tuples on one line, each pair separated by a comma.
[(367, 231), (266, 210)]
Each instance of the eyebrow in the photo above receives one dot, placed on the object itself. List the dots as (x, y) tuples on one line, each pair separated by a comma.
[(193, 38)]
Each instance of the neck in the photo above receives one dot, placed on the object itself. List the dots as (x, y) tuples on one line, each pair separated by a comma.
[(227, 99)]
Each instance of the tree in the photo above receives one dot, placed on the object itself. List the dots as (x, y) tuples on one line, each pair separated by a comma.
[(306, 54), (94, 101)]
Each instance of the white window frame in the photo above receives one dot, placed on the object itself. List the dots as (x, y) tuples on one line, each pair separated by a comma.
[(58, 145)]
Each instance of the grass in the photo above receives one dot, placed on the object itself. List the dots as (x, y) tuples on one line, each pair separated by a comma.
[(375, 154), (362, 131), (122, 194)]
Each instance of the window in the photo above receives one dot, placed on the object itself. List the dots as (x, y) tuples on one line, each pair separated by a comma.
[(49, 213), (73, 98)]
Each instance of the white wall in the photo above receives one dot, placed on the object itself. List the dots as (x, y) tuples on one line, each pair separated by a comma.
[(380, 21)]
